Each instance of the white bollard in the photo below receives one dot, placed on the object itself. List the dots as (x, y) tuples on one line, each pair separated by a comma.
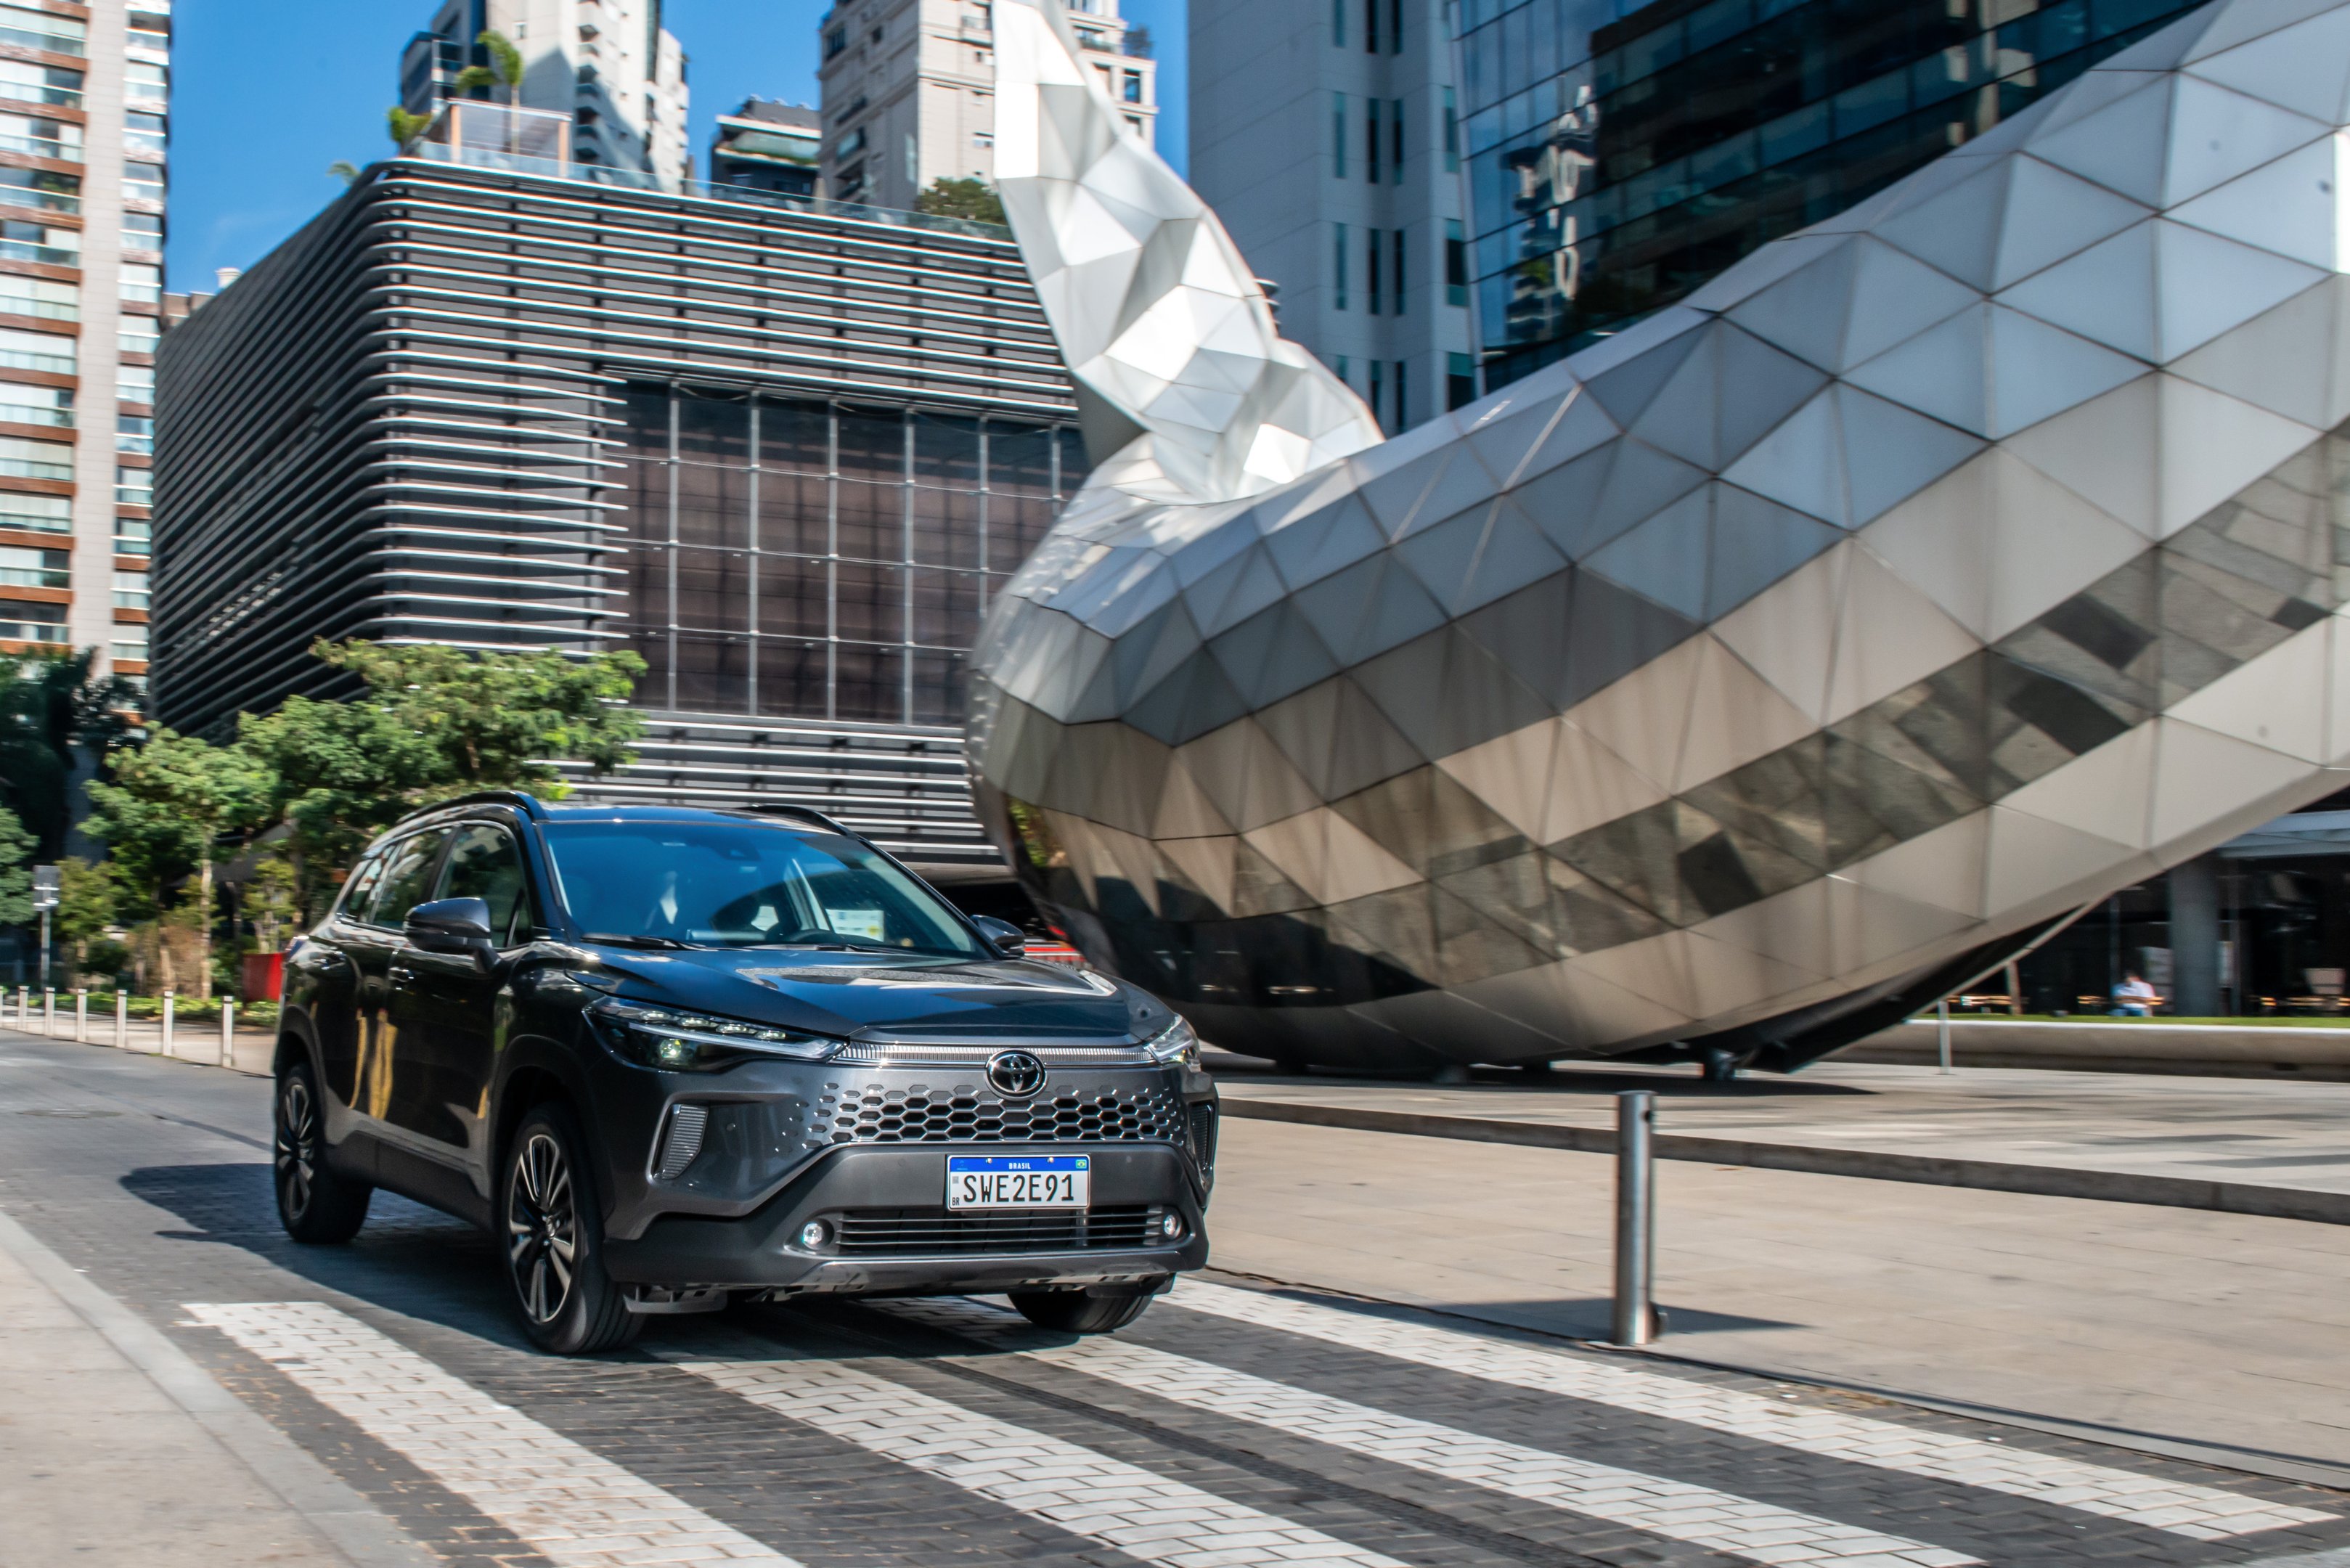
[(49, 1012), (228, 1033), (121, 1020), (167, 1024), (81, 1016), (25, 1008)]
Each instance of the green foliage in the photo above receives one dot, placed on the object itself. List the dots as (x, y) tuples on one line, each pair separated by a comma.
[(474, 78), (346, 170), (504, 59), (16, 870), (86, 901), (403, 126), (432, 722), (975, 199), (51, 704)]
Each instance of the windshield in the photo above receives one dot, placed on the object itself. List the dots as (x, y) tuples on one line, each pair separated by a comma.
[(743, 884)]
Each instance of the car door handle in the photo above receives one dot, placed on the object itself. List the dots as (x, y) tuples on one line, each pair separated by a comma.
[(402, 971)]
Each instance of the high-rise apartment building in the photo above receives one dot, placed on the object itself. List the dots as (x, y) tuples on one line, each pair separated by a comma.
[(85, 107), (909, 90), (1324, 137), (768, 146), (1620, 156), (607, 64)]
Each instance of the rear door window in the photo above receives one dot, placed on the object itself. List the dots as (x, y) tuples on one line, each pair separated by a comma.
[(407, 876), (360, 886)]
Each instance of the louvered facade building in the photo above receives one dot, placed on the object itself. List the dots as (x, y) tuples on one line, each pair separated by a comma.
[(787, 456)]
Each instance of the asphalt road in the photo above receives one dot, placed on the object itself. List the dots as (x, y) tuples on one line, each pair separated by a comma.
[(1232, 1426)]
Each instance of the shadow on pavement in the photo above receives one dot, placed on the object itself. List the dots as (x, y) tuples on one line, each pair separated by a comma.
[(410, 1259)]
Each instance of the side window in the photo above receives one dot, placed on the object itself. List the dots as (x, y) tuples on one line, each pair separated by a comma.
[(485, 863), (406, 876), (360, 887)]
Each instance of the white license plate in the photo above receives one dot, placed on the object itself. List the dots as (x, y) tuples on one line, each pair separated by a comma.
[(1018, 1180)]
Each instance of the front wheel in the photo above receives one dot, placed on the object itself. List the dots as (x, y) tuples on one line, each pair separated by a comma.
[(315, 1203), (553, 1237), (1079, 1312)]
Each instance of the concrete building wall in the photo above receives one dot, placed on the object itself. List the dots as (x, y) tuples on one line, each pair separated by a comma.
[(1283, 100), (910, 92)]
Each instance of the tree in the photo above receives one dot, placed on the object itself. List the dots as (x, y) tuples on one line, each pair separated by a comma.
[(346, 170), (975, 199), (432, 721), (86, 904), (50, 707), (16, 870), (173, 802), (504, 67), (404, 127)]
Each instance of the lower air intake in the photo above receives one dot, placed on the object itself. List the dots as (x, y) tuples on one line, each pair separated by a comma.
[(681, 1140)]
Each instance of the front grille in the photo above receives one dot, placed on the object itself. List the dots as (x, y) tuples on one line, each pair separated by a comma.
[(930, 1232), (963, 1114)]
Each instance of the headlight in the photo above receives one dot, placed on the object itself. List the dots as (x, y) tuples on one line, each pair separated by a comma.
[(682, 1042), (1175, 1044)]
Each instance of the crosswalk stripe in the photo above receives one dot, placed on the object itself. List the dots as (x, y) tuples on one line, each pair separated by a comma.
[(1679, 1511), (2198, 1512), (1086, 1493), (565, 1502)]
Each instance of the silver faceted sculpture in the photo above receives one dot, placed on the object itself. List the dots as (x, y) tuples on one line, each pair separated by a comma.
[(1736, 683)]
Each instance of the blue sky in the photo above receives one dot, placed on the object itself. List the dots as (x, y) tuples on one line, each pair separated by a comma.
[(267, 93)]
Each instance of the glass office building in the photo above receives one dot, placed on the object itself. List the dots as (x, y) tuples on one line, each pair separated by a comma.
[(1619, 157)]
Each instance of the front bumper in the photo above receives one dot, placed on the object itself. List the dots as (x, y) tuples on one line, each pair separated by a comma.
[(899, 1190)]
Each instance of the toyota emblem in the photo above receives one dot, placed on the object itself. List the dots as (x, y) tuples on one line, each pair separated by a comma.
[(1017, 1075)]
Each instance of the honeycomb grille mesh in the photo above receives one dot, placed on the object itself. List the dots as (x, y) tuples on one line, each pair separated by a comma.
[(967, 1114)]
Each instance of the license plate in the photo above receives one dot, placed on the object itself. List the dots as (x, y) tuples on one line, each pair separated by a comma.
[(1018, 1180)]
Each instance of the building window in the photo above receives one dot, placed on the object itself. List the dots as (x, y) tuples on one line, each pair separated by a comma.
[(1339, 129), (49, 351), (144, 136), (139, 334), (132, 486), (130, 590), (1339, 24), (21, 405), (130, 641), (1346, 373), (1339, 250), (142, 230), (132, 535), (1403, 415), (1378, 396), (1395, 37), (1459, 382), (37, 513), (1133, 85), (42, 623), (39, 297), (134, 383), (142, 283), (1395, 110), (22, 459), (1398, 283), (1371, 270), (834, 41), (1456, 263), (1451, 134), (1372, 140), (134, 433), (1371, 45), (23, 568)]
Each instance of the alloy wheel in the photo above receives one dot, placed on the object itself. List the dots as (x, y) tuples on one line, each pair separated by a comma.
[(542, 1227), (297, 1151)]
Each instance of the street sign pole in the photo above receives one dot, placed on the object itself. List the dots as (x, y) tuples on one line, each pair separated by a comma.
[(47, 885)]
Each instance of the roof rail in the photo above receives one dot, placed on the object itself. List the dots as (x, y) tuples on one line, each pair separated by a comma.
[(777, 808), (526, 804)]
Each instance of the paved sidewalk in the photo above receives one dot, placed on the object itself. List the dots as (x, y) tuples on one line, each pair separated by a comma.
[(2151, 1325), (2153, 1139), (198, 1042), (98, 1466)]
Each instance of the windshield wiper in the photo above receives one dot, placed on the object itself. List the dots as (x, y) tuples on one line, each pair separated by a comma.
[(619, 940)]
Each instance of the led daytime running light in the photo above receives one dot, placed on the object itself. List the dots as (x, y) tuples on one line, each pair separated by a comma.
[(666, 1037), (1175, 1044)]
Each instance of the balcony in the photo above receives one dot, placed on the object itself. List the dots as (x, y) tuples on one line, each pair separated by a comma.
[(55, 43), (50, 364), (36, 414), (134, 433), (47, 256), (42, 146)]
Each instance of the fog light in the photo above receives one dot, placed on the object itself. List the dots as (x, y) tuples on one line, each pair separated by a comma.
[(1170, 1225), (813, 1233)]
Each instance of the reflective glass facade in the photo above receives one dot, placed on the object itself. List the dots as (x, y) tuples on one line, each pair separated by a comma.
[(1619, 157), (821, 561)]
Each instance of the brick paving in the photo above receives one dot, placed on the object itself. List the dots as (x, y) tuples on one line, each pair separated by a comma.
[(1228, 1426)]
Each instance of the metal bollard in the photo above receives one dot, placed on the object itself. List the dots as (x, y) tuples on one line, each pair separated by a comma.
[(121, 1020), (50, 1010), (167, 1024), (228, 1033), (81, 1016), (25, 1008), (1635, 1218), (1943, 1031)]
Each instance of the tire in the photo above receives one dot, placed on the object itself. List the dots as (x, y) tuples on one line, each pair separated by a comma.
[(552, 1226), (1079, 1312), (318, 1205)]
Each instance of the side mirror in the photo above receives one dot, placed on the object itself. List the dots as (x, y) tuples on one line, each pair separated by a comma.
[(450, 926), (1002, 935)]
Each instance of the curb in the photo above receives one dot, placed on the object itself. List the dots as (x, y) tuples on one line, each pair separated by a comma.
[(1932, 1170)]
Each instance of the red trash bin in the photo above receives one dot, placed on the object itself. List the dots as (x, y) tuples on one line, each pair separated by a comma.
[(264, 977)]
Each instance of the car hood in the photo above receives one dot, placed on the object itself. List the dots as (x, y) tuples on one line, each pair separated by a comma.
[(888, 996)]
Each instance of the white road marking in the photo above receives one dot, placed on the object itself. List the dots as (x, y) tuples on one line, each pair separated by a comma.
[(1086, 1493), (1720, 1521), (566, 1502), (2198, 1512)]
